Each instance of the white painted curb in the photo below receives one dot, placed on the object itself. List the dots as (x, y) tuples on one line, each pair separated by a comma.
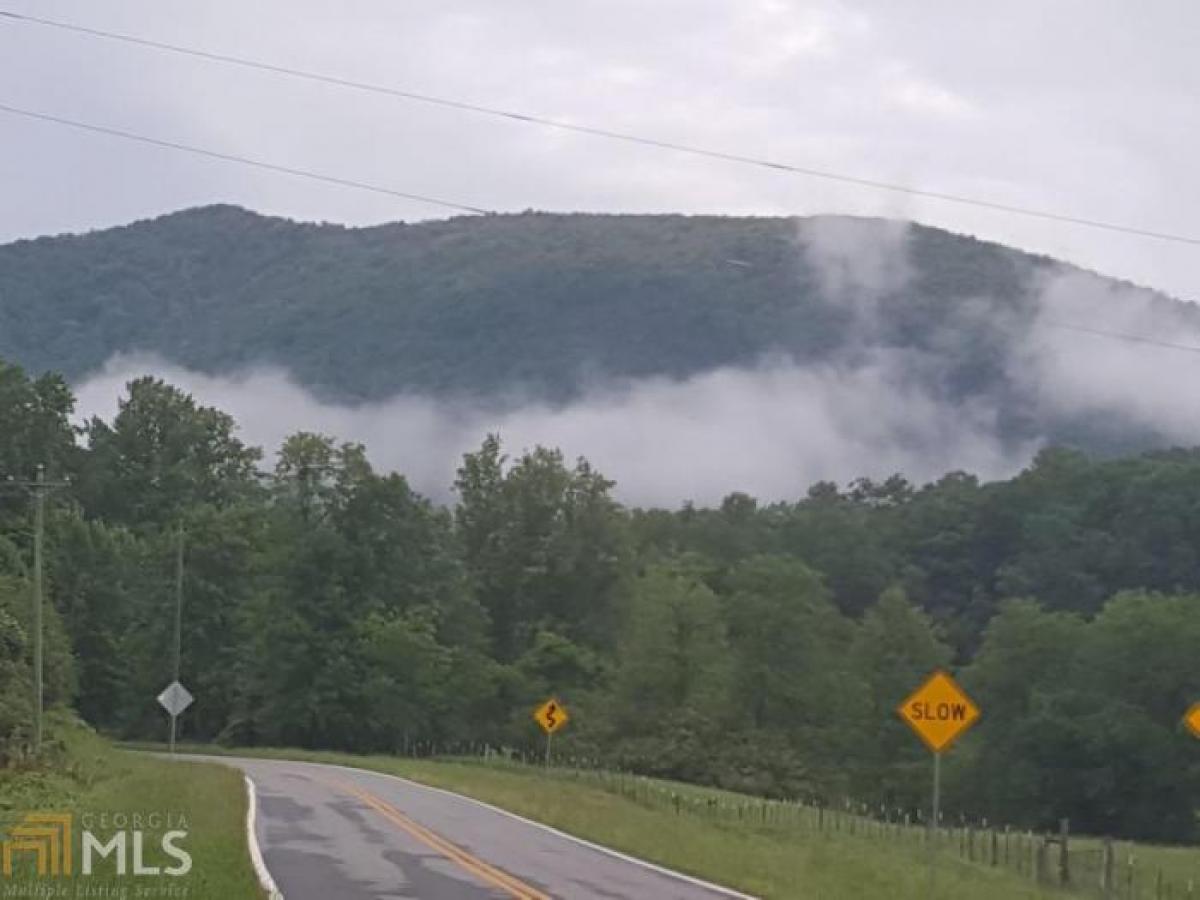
[(260, 867), (624, 857)]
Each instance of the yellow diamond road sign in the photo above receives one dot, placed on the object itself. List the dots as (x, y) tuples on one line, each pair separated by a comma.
[(1192, 719), (939, 711), (551, 715)]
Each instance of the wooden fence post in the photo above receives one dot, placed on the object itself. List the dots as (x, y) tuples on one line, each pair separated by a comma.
[(1106, 868), (1064, 860)]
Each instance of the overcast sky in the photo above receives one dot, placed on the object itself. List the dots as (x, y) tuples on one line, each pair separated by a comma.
[(1084, 107)]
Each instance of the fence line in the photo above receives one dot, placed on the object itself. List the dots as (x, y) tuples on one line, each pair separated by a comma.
[(1083, 866)]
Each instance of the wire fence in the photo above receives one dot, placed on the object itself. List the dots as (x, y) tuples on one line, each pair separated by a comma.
[(1076, 865)]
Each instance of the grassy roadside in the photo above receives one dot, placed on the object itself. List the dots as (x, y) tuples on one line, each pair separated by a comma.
[(754, 859), (94, 782)]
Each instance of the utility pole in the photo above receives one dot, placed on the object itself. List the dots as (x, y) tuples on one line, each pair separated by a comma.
[(39, 526), (175, 697), (40, 487), (178, 617)]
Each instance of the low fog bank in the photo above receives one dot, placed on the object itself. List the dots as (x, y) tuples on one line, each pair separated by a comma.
[(1105, 350), (775, 429), (770, 431)]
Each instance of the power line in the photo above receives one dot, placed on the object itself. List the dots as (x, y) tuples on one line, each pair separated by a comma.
[(433, 201), (462, 207), (1122, 336), (1065, 326), (361, 185), (594, 131), (241, 160)]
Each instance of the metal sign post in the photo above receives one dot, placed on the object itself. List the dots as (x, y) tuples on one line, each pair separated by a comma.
[(939, 711), (935, 821), (175, 698), (551, 716)]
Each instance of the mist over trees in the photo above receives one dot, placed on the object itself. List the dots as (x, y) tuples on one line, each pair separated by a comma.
[(758, 647), (543, 308)]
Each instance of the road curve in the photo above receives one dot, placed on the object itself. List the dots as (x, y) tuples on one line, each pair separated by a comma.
[(334, 832)]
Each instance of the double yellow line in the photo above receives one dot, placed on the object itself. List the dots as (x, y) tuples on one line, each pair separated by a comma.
[(489, 874)]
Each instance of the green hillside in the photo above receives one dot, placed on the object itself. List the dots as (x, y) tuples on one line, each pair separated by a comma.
[(534, 305)]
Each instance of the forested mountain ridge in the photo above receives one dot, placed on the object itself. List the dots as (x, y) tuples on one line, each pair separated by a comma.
[(537, 305)]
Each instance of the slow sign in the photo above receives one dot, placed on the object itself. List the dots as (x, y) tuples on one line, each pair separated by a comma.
[(939, 711), (1192, 719)]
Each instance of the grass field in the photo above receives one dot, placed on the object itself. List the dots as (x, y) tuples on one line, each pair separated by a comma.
[(91, 780), (759, 859)]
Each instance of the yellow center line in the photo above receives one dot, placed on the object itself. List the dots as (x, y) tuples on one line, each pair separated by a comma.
[(489, 874)]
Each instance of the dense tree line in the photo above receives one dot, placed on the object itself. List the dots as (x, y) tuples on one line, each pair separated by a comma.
[(757, 647)]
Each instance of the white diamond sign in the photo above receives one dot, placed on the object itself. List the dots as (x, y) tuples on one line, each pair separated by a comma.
[(175, 698)]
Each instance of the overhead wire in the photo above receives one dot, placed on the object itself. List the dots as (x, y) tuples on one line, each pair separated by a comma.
[(437, 201), (241, 160), (1121, 335), (607, 133), (1065, 326)]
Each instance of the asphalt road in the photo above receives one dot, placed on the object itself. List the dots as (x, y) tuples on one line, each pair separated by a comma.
[(330, 832)]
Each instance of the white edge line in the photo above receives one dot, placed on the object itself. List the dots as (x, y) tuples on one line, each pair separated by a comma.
[(599, 848), (273, 892), (260, 868)]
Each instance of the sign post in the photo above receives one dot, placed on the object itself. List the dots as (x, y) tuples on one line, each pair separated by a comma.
[(551, 716), (1192, 719), (175, 698), (939, 711)]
